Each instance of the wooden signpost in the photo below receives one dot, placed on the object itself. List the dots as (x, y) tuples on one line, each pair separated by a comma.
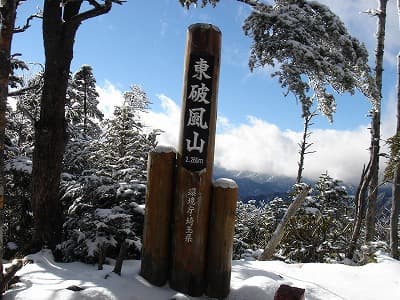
[(192, 190), (195, 159)]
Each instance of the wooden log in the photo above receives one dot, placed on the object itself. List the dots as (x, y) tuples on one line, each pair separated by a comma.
[(195, 159), (157, 220), (220, 239)]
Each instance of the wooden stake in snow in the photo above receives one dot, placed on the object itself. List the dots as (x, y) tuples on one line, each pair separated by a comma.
[(157, 219), (221, 232), (195, 159)]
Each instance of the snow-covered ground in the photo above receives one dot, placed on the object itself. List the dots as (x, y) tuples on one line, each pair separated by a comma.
[(251, 280)]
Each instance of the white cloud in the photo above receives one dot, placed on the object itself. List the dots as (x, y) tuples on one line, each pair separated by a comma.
[(167, 120), (109, 96), (262, 147)]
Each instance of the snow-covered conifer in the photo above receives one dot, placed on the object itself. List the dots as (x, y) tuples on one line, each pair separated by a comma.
[(312, 49), (322, 227), (125, 145)]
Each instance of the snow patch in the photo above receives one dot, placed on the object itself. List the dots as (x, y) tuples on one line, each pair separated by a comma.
[(225, 183), (164, 149), (46, 279)]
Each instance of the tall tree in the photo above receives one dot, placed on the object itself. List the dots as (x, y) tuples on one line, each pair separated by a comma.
[(313, 49), (86, 96), (375, 122), (7, 22), (61, 21), (124, 147), (83, 119), (394, 216), (392, 172)]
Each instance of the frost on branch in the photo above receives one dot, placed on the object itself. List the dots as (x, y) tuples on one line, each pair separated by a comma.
[(313, 50)]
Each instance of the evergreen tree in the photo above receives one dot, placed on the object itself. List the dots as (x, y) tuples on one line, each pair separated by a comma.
[(83, 119), (313, 49), (101, 215), (318, 232), (124, 147), (322, 227), (250, 228), (18, 165), (86, 101), (102, 200)]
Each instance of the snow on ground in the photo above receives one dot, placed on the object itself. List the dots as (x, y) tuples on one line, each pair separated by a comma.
[(251, 280)]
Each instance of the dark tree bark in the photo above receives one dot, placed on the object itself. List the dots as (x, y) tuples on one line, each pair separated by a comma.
[(394, 214), (60, 24), (7, 21), (375, 124)]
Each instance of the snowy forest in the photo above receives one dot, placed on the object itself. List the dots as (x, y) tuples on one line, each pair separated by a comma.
[(74, 182)]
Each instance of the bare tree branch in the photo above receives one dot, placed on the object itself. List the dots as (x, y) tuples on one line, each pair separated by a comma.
[(20, 29), (97, 10), (94, 3), (252, 3)]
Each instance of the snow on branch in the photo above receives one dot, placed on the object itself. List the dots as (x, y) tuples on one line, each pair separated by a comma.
[(313, 50), (373, 12)]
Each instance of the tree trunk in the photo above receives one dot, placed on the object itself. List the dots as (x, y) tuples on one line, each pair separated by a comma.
[(60, 24), (394, 215), (120, 259), (50, 130), (375, 125), (360, 209), (279, 231), (7, 21), (304, 145), (101, 256)]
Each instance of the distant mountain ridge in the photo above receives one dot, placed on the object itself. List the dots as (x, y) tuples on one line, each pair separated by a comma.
[(255, 186)]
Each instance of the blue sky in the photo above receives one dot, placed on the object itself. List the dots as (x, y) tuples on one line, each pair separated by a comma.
[(142, 42)]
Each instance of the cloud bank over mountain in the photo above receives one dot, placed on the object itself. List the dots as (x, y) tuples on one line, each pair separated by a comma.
[(262, 147)]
